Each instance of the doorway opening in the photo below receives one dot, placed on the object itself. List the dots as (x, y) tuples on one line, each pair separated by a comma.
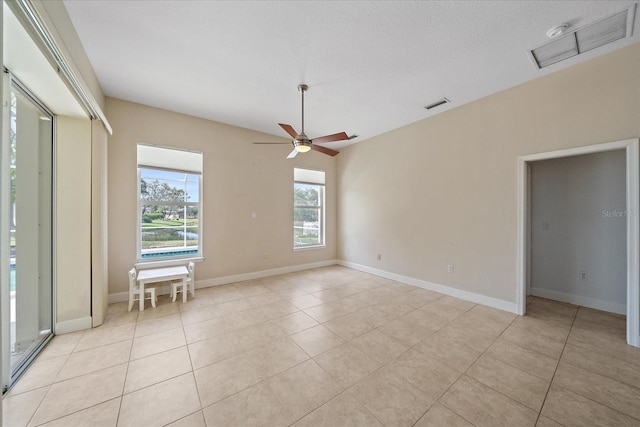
[(632, 212)]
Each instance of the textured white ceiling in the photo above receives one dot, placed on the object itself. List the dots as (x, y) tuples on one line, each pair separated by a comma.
[(371, 66)]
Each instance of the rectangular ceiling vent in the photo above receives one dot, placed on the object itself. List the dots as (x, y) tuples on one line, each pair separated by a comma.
[(589, 37), (437, 103)]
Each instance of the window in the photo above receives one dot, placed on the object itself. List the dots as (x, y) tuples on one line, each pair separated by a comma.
[(169, 189), (308, 208)]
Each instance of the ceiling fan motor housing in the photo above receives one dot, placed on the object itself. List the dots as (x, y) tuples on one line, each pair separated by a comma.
[(302, 143)]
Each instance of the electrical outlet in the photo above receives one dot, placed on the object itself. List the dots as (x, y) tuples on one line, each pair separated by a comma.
[(582, 275), (379, 257), (450, 268), (545, 226)]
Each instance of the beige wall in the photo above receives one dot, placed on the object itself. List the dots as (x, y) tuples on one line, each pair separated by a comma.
[(443, 190), (73, 222), (239, 178)]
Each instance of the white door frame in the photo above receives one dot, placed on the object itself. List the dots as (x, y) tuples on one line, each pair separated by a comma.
[(633, 228)]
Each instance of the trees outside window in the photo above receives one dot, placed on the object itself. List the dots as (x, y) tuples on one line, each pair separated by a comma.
[(308, 211), (169, 204)]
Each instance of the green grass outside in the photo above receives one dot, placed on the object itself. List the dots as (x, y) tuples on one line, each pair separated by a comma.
[(306, 239), (146, 244)]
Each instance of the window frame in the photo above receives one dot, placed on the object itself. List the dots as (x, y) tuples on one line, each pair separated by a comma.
[(188, 254), (321, 213)]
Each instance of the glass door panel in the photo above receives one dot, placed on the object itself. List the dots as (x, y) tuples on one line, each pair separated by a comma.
[(30, 155)]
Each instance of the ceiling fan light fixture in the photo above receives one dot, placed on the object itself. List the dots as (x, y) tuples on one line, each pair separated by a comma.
[(302, 146)]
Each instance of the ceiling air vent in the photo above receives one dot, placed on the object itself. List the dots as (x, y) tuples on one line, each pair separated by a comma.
[(437, 103), (600, 33)]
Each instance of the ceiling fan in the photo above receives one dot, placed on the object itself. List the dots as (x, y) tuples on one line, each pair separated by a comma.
[(301, 142)]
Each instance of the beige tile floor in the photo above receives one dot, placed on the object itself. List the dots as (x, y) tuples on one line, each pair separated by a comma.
[(334, 347)]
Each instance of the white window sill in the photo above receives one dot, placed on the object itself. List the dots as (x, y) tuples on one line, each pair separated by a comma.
[(167, 262), (306, 248)]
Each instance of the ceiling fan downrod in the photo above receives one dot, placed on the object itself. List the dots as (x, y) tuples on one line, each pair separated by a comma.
[(302, 88)]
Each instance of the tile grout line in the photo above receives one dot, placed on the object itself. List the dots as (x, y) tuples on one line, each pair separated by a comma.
[(38, 407), (613, 356), (253, 385), (127, 370), (413, 347), (259, 382), (346, 388), (550, 382), (132, 340), (72, 378), (525, 349), (193, 370), (465, 374), (52, 383), (589, 398), (556, 369), (333, 398), (74, 412), (576, 392), (530, 349), (431, 334), (599, 403), (298, 364), (443, 393), (365, 377), (603, 374), (350, 341)]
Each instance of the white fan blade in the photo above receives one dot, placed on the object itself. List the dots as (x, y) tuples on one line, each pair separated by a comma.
[(292, 154)]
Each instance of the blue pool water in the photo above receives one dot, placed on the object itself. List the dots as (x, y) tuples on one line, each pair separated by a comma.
[(168, 254)]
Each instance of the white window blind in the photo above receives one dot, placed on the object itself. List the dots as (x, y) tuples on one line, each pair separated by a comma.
[(308, 176), (151, 156)]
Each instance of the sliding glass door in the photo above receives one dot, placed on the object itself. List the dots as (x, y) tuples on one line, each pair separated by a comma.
[(26, 186)]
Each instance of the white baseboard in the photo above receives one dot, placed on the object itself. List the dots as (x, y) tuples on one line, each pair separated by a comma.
[(264, 273), (165, 290), (457, 293), (596, 304), (73, 325), (447, 290)]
